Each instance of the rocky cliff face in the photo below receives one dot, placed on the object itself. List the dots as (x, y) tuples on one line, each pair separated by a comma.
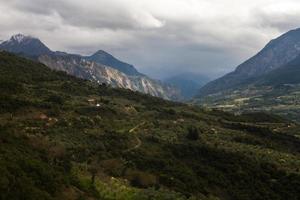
[(105, 58), (275, 54), (80, 67), (100, 67)]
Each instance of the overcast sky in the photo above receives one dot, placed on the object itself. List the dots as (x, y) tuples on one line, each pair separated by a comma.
[(160, 37)]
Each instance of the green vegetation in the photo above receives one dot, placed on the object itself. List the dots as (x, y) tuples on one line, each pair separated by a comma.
[(276, 92), (280, 100), (66, 138)]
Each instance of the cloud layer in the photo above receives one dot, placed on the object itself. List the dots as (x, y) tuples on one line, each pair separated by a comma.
[(160, 38)]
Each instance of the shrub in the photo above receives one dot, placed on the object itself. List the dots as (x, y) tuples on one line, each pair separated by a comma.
[(141, 179), (55, 99), (113, 167)]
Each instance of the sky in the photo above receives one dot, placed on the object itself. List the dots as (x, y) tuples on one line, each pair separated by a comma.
[(160, 38)]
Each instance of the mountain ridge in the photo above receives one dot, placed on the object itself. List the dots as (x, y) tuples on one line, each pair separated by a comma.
[(105, 58), (275, 89), (129, 77), (276, 53), (85, 69)]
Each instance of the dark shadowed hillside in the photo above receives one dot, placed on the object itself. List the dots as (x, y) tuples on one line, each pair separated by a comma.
[(288, 74)]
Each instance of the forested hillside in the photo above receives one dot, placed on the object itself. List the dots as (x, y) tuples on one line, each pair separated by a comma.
[(66, 138)]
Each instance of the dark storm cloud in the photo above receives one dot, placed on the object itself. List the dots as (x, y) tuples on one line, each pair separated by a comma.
[(159, 37), (91, 14)]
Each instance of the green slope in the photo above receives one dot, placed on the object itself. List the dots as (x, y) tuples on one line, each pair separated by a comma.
[(56, 143)]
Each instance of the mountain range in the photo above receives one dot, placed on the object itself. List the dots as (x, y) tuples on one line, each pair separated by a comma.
[(269, 81), (100, 67)]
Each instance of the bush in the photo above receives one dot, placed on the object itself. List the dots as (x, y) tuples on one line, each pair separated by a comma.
[(141, 179), (56, 99), (114, 167)]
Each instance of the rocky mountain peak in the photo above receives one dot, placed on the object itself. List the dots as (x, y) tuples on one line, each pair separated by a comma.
[(102, 53), (20, 38), (26, 45), (102, 57)]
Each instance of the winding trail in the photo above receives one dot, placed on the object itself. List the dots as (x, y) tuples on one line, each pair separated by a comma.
[(136, 127), (138, 141)]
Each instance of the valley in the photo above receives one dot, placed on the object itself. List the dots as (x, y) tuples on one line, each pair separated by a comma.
[(67, 138), (267, 82), (190, 119), (283, 101)]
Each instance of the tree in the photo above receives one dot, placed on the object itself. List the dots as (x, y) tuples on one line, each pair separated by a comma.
[(93, 169), (193, 133), (56, 153)]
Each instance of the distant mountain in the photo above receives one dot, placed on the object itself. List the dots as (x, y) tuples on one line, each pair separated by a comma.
[(100, 67), (275, 54), (272, 87), (21, 44), (188, 83), (79, 67), (287, 74), (105, 58)]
